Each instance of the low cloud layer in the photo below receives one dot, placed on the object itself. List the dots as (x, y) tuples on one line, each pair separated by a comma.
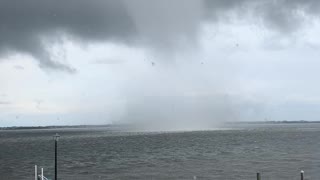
[(32, 27)]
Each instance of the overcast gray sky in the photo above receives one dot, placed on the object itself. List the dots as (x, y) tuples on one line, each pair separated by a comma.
[(176, 63)]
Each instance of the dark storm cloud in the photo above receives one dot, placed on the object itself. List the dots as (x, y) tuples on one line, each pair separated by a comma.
[(285, 16), (28, 26), (31, 26)]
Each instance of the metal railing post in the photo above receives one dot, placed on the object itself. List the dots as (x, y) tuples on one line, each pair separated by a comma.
[(55, 160), (56, 138), (35, 172), (41, 173)]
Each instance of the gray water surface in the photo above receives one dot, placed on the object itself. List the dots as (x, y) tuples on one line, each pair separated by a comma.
[(278, 151)]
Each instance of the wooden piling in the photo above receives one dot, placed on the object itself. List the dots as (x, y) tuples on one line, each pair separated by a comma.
[(258, 176), (301, 174)]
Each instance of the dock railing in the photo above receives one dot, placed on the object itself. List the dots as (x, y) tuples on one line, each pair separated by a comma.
[(39, 176), (42, 177), (301, 175)]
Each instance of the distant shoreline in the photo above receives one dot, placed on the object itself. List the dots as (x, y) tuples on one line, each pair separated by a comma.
[(128, 125), (53, 127), (275, 122)]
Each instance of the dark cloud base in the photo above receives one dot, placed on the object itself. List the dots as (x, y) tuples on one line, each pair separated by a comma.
[(29, 26)]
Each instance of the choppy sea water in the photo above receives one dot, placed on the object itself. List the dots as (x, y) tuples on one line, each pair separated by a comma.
[(278, 151)]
